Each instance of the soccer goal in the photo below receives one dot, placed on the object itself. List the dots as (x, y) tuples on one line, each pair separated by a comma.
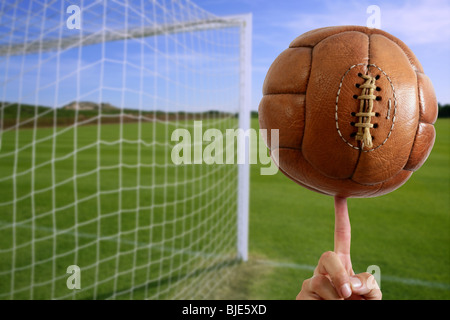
[(91, 204)]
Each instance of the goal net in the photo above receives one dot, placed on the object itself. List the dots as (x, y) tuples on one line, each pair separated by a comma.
[(91, 204)]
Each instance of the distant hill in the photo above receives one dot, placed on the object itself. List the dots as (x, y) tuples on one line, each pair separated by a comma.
[(86, 112), (42, 116), (88, 105)]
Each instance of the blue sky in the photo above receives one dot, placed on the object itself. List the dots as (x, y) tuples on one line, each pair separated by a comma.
[(180, 71), (423, 25), (52, 79)]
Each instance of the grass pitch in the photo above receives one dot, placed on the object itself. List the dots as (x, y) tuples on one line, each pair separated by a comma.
[(129, 220), (406, 233), (109, 200)]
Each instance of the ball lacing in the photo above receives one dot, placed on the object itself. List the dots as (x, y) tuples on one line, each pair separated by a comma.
[(366, 113)]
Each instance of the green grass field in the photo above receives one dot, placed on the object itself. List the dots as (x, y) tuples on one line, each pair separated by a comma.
[(137, 225), (406, 233), (130, 220)]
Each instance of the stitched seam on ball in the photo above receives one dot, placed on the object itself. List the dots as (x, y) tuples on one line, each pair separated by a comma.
[(378, 185), (417, 127), (318, 170), (304, 185), (394, 112), (331, 35), (306, 102)]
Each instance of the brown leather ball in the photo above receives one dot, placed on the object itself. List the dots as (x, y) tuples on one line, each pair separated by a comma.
[(354, 109)]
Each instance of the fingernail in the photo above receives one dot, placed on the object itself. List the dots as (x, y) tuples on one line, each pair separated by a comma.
[(356, 283), (346, 291)]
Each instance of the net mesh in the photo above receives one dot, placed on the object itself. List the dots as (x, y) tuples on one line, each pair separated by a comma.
[(86, 176)]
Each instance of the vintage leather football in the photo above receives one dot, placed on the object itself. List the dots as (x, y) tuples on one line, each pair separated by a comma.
[(354, 109)]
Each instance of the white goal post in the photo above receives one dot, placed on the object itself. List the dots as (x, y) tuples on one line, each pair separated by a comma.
[(91, 205), (244, 123)]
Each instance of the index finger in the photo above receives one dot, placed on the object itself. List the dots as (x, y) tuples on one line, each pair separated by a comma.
[(342, 229), (331, 265)]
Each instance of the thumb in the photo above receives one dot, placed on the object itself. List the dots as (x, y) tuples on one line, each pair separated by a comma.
[(365, 285)]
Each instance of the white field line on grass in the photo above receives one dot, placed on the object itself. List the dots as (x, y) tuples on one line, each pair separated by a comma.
[(305, 267), (384, 277)]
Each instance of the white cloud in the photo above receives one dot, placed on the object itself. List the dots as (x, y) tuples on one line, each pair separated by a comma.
[(423, 25), (415, 22), (419, 23)]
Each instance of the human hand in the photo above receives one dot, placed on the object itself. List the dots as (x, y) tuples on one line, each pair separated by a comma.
[(333, 277), (331, 281)]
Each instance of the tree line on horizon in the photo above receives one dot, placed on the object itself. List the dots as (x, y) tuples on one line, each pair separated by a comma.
[(10, 111), (443, 111)]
